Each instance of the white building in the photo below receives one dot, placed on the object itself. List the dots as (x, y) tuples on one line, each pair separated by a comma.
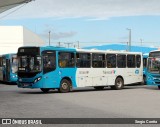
[(13, 37)]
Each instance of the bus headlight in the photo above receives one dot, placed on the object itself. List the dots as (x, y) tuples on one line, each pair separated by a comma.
[(14, 76), (37, 79)]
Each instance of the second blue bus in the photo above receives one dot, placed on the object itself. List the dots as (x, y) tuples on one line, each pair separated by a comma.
[(8, 68)]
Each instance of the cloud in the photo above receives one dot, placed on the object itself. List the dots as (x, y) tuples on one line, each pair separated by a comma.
[(91, 9), (58, 35)]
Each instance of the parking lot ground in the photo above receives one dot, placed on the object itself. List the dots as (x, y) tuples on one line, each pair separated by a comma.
[(130, 102)]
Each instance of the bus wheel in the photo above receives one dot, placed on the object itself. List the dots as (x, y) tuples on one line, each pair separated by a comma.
[(158, 87), (45, 90), (65, 86), (99, 87), (118, 84)]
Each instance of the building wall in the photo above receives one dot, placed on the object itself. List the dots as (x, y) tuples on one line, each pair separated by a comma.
[(31, 39), (13, 37)]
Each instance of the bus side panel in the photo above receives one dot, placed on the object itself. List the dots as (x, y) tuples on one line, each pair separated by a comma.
[(68, 73), (83, 77), (91, 77), (107, 76), (53, 79), (130, 75)]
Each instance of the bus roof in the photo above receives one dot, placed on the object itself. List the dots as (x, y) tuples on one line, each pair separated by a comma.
[(155, 51), (106, 51), (81, 50)]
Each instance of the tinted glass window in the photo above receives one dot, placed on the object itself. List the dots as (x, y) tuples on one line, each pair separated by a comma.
[(1, 61), (144, 62), (111, 60), (98, 60), (138, 61), (49, 61), (83, 60), (66, 59), (131, 61), (121, 61)]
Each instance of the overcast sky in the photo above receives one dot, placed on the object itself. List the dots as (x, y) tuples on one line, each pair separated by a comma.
[(72, 20), (96, 9)]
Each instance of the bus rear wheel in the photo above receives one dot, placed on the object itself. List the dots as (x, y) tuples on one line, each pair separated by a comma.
[(118, 84), (65, 86), (158, 87), (45, 90)]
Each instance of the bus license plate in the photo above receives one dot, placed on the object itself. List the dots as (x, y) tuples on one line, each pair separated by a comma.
[(26, 84)]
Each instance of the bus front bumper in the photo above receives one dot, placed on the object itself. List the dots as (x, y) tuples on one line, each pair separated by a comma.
[(29, 85)]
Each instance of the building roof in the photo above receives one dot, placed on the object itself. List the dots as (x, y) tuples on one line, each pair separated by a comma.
[(8, 4)]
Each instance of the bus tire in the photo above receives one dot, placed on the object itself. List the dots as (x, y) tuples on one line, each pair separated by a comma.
[(143, 82), (65, 86), (119, 83), (99, 87), (158, 87), (45, 90)]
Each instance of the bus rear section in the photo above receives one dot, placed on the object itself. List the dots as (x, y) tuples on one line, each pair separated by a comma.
[(8, 68)]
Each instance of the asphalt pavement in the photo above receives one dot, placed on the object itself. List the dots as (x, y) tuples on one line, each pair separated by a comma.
[(130, 102)]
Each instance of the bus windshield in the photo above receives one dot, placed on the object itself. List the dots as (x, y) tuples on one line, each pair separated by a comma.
[(154, 65), (29, 63)]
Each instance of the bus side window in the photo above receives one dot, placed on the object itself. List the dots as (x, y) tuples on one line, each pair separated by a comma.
[(131, 61), (98, 60), (83, 60), (138, 61), (66, 59), (0, 61), (144, 62), (49, 61), (121, 61), (111, 60)]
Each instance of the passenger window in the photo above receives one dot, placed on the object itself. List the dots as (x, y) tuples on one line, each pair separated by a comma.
[(144, 62), (121, 61), (131, 61), (138, 61), (1, 62), (111, 60), (49, 61), (98, 60), (66, 59), (83, 60)]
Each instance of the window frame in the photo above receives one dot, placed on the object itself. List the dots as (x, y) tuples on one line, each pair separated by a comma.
[(133, 65), (98, 62), (66, 62), (49, 68), (110, 65), (80, 61), (122, 61)]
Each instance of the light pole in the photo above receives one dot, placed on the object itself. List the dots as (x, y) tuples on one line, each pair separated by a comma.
[(129, 38), (141, 42), (49, 38)]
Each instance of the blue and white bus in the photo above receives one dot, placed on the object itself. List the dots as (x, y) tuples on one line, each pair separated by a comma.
[(65, 68), (8, 68), (153, 68)]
